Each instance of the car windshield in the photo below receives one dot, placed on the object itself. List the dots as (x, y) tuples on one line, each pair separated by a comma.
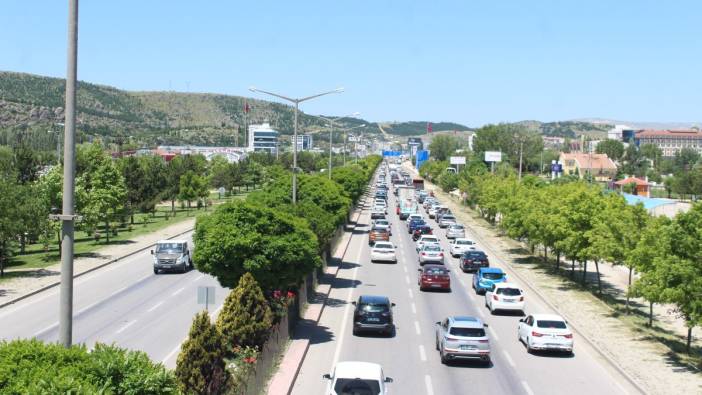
[(432, 248), (435, 271), (374, 308), (464, 242), (474, 255), (493, 276), (381, 222), (448, 217), (551, 324), (383, 246), (456, 227), (356, 387), (169, 247), (509, 291), (468, 332), (430, 240)]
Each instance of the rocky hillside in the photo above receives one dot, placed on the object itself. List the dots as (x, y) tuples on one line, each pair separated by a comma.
[(570, 129)]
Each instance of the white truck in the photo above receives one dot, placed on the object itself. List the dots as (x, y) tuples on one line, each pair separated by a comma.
[(172, 256)]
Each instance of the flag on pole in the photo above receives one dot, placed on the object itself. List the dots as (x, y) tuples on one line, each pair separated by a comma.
[(429, 127), (246, 107)]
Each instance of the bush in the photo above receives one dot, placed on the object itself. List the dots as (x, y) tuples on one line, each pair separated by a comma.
[(246, 318), (31, 366), (200, 365)]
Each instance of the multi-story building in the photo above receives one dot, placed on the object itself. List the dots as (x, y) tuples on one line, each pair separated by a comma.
[(304, 142), (670, 141), (263, 138), (579, 163)]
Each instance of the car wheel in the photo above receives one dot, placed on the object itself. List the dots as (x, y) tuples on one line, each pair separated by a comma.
[(444, 360), (155, 271), (355, 332), (528, 347), (437, 344)]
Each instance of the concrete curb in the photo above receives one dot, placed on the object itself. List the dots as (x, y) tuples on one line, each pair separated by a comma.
[(92, 269), (592, 344), (284, 379)]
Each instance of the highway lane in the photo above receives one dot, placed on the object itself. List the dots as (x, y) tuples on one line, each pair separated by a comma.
[(410, 357), (124, 303)]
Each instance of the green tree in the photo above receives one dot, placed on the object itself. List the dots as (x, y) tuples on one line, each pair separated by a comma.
[(200, 367), (100, 196), (653, 153), (685, 159), (134, 179), (508, 139), (613, 148), (443, 146), (8, 220), (246, 317), (192, 186), (27, 163)]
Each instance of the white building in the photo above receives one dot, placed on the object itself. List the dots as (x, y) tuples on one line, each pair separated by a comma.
[(304, 142), (263, 138), (232, 154)]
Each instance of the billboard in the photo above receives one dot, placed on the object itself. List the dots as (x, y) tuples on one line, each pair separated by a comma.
[(422, 156), (457, 160), (493, 156), (391, 153)]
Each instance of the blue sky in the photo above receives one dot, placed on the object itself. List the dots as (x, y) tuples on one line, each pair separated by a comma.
[(472, 62)]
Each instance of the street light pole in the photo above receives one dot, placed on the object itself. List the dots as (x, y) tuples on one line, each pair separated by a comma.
[(331, 129), (67, 218), (297, 102)]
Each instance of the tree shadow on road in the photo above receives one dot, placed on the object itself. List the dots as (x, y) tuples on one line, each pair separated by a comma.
[(312, 331)]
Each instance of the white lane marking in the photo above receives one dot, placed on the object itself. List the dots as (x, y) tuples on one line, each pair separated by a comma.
[(526, 388), (411, 294), (404, 268), (178, 291), (125, 326), (422, 353), (214, 313), (198, 278), (462, 281), (154, 307), (407, 280), (427, 382), (509, 359), (416, 327), (347, 309), (414, 308), (172, 353), (493, 333), (480, 311)]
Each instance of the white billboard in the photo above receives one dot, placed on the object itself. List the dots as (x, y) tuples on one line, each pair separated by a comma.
[(457, 160), (493, 156)]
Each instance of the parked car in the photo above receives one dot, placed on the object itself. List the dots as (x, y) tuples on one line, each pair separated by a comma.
[(460, 245), (505, 297), (376, 235), (383, 224), (373, 313), (383, 251), (473, 260), (455, 231), (462, 337), (545, 332), (353, 377), (426, 239), (485, 277), (434, 277), (431, 253)]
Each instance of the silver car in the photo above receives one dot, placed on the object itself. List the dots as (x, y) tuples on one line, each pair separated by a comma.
[(455, 231), (431, 253), (462, 337), (446, 220)]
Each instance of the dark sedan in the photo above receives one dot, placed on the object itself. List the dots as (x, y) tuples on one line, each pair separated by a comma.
[(473, 260)]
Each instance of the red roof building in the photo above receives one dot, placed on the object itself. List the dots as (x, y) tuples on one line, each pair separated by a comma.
[(671, 141), (643, 188)]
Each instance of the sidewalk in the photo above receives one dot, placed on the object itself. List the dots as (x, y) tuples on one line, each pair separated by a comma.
[(39, 279), (646, 360)]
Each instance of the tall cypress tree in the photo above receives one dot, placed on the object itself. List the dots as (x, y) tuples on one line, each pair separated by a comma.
[(246, 317), (200, 367)]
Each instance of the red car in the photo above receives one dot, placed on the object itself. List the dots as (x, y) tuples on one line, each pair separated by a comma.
[(434, 277)]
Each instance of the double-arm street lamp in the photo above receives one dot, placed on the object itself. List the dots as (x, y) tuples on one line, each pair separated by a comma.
[(346, 137), (297, 102), (331, 129)]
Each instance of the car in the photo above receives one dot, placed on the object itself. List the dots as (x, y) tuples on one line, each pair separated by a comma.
[(376, 235), (545, 332), (505, 297), (432, 210), (374, 314), (485, 277), (473, 260), (429, 239), (459, 245), (413, 217), (421, 230), (355, 377), (383, 251), (383, 224), (378, 212), (380, 202), (434, 277), (414, 224), (462, 338), (431, 253), (172, 255), (455, 231), (447, 220), (440, 214)]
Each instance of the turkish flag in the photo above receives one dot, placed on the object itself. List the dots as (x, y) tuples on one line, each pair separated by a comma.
[(246, 107), (429, 127)]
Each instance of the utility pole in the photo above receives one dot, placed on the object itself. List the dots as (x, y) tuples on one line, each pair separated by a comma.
[(521, 149), (67, 217)]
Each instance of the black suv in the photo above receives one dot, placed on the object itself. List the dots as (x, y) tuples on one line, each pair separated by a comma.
[(473, 260), (373, 313)]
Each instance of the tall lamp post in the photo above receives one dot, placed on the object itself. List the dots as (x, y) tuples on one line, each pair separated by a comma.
[(297, 102), (331, 129), (346, 137)]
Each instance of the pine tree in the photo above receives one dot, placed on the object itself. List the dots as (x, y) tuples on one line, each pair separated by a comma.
[(200, 367), (246, 317)]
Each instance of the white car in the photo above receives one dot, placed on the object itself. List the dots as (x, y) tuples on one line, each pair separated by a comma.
[(380, 202), (545, 332), (505, 297), (431, 253), (426, 239), (455, 231), (460, 245), (383, 224), (383, 251), (381, 207), (352, 377), (447, 220)]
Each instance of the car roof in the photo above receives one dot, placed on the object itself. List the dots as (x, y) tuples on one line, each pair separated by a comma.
[(358, 369), (463, 239), (548, 317), (466, 321), (491, 270), (374, 299), (507, 285), (170, 241), (377, 243)]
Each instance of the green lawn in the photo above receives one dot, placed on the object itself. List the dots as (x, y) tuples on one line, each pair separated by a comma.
[(35, 257)]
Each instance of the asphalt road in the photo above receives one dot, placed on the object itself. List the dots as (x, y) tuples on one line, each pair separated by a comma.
[(410, 357), (123, 303)]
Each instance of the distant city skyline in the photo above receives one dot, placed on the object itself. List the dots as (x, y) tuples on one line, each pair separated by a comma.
[(473, 64)]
